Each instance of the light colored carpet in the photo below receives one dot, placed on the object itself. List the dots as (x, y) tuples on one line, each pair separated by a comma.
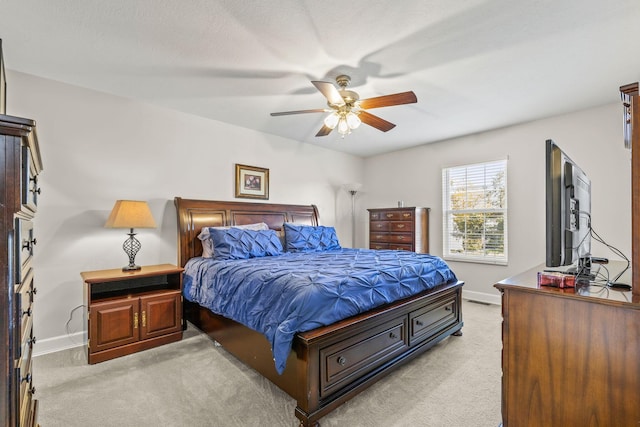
[(195, 383)]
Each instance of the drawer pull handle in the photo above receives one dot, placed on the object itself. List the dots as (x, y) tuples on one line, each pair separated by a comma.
[(379, 225), (26, 379), (135, 320), (36, 190), (28, 312), (400, 237), (406, 215), (448, 308), (393, 336), (31, 341), (400, 225), (144, 319), (342, 361), (32, 292), (29, 244), (389, 215), (419, 323), (32, 390)]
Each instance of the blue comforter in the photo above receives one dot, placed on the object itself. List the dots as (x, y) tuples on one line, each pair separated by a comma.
[(279, 296)]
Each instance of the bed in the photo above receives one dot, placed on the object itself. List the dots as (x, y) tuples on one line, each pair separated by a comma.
[(328, 365)]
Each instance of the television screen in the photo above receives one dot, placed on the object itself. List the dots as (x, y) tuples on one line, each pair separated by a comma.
[(568, 212)]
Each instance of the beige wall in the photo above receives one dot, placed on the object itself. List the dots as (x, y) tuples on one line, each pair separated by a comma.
[(592, 138), (97, 148)]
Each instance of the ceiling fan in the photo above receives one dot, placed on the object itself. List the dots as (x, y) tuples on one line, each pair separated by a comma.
[(348, 110)]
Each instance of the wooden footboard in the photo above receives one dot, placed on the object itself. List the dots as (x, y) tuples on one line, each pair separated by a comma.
[(329, 365)]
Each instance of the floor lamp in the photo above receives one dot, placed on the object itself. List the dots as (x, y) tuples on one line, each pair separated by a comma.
[(353, 190)]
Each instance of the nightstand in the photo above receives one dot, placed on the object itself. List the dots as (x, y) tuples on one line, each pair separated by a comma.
[(130, 311)]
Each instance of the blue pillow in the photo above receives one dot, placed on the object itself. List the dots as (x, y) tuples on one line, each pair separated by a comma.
[(237, 243), (306, 238)]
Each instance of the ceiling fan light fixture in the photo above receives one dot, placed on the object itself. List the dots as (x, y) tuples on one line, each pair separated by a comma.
[(353, 121), (331, 121), (343, 127)]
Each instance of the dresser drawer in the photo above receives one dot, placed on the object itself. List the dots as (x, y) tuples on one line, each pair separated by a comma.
[(376, 226), (429, 321), (404, 226), (406, 238), (401, 247), (378, 245), (24, 303), (380, 237), (397, 216), (29, 188), (361, 353), (25, 242), (27, 390)]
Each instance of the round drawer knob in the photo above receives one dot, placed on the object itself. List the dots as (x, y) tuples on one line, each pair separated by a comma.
[(342, 361), (393, 336)]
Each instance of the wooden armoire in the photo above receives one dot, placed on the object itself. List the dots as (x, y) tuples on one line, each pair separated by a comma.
[(20, 164)]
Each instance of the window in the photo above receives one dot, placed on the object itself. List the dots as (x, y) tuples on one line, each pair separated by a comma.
[(474, 204)]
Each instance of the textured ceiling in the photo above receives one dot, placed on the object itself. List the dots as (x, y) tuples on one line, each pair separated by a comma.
[(474, 65)]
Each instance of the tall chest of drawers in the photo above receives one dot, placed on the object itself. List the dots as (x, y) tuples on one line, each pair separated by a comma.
[(399, 228), (20, 164)]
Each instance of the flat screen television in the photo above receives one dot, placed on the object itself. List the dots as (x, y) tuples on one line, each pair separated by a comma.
[(568, 213)]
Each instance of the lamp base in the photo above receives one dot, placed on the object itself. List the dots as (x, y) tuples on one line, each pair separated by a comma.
[(131, 268)]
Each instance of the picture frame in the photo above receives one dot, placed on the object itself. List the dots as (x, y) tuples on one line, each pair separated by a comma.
[(252, 182), (3, 84)]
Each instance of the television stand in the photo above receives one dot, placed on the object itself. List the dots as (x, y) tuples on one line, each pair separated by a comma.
[(569, 358)]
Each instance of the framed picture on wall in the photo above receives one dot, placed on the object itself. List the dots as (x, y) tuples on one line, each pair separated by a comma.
[(252, 182), (3, 84)]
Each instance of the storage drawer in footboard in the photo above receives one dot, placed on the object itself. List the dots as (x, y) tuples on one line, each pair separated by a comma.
[(429, 321), (348, 360)]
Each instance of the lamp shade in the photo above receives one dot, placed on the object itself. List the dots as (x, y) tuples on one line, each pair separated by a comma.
[(352, 187), (130, 214)]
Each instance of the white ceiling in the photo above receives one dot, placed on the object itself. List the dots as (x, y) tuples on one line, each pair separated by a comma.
[(473, 64)]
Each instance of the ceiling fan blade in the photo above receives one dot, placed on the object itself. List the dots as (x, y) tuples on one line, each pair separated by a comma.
[(286, 113), (330, 92), (324, 131), (388, 100), (375, 121)]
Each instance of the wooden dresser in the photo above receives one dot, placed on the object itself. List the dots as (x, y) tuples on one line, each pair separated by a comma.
[(21, 164), (399, 228), (569, 358)]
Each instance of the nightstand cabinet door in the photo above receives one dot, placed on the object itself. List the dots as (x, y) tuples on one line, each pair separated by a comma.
[(113, 324), (160, 314)]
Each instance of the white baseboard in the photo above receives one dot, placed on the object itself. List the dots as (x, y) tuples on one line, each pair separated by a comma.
[(63, 342), (482, 297)]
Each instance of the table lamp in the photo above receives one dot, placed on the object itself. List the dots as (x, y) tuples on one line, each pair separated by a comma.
[(130, 214)]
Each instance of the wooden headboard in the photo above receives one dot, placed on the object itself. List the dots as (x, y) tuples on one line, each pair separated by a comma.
[(195, 214)]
